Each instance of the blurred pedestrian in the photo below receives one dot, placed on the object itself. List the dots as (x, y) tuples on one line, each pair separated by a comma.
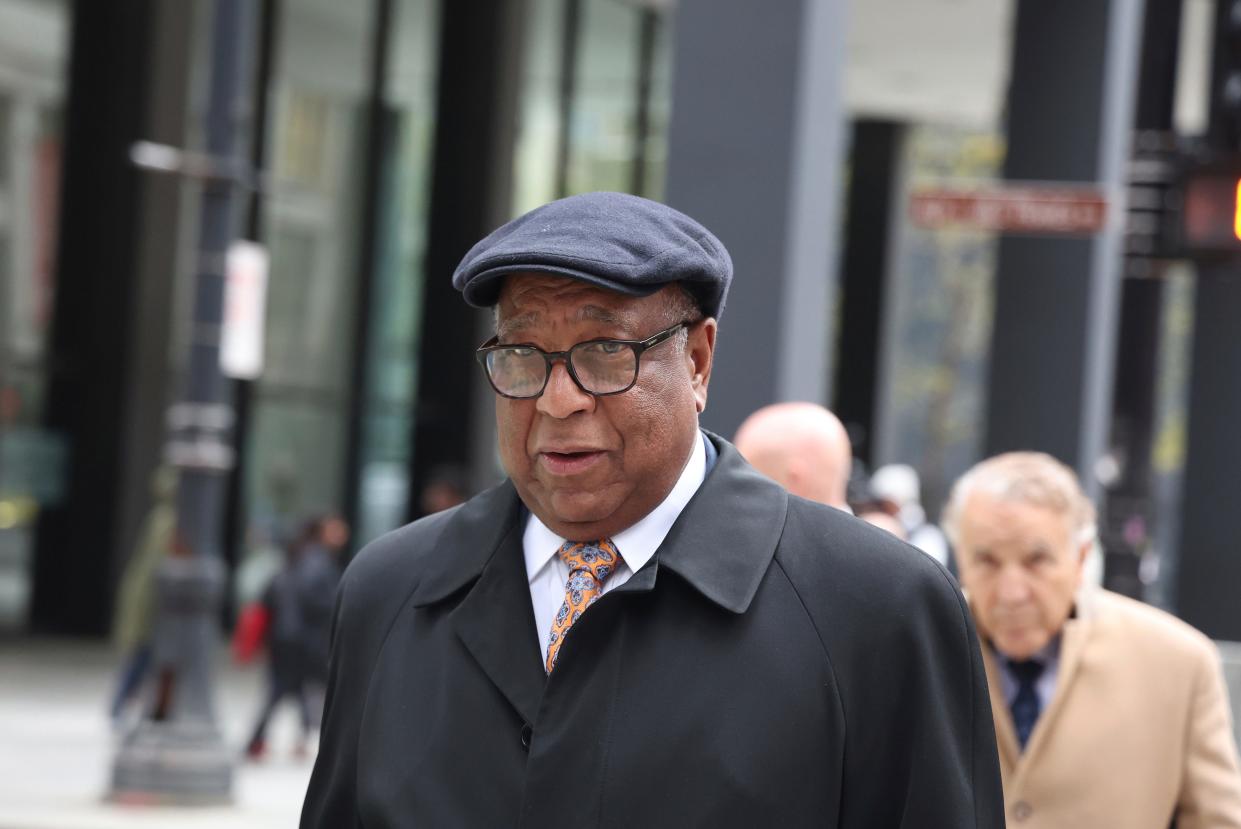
[(133, 627), (446, 487), (898, 486), (263, 557), (1108, 712), (805, 449), (801, 446), (636, 628), (884, 521), (298, 602)]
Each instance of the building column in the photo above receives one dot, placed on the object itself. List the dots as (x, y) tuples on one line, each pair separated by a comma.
[(754, 154), (1208, 560), (104, 354), (479, 75), (875, 213), (1070, 117)]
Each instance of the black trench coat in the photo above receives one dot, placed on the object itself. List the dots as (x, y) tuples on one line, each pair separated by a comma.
[(777, 663)]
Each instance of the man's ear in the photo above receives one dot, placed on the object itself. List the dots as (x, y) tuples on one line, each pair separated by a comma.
[(699, 356), (1083, 556)]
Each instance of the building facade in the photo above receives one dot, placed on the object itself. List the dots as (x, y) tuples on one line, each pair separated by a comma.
[(395, 133)]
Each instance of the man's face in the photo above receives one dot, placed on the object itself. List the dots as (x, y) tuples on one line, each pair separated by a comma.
[(335, 533), (587, 466), (1021, 567)]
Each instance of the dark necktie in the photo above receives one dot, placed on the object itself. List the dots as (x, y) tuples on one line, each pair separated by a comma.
[(1026, 704)]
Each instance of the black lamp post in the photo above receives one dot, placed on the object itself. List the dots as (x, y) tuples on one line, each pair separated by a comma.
[(176, 752)]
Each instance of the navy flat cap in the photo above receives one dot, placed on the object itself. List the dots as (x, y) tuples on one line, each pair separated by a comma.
[(614, 240)]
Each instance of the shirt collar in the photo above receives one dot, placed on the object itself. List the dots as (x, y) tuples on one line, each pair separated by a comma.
[(1048, 656), (638, 543)]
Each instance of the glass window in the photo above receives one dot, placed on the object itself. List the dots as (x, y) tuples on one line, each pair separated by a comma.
[(618, 103), (938, 326), (535, 158), (298, 432), (33, 42), (602, 122), (393, 328)]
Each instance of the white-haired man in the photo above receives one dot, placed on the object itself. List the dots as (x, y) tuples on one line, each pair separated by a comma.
[(1108, 712)]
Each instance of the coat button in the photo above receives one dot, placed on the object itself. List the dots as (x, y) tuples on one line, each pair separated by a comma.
[(526, 733), (1022, 810)]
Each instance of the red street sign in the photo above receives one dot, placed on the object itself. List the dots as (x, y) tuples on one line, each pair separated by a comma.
[(1072, 211)]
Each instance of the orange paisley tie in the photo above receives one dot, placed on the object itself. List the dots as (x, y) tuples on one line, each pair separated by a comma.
[(590, 564)]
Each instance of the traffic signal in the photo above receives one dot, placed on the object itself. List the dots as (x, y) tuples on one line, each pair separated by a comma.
[(1201, 215), (1224, 131), (1211, 212)]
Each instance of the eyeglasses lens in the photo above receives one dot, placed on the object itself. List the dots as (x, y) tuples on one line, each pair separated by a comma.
[(601, 367), (605, 367), (517, 372)]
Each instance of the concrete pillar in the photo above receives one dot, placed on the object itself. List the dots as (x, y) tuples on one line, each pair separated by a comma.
[(754, 154), (1070, 115), (876, 213), (1208, 562)]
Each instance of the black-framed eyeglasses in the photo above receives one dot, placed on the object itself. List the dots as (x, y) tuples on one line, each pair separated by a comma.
[(599, 367)]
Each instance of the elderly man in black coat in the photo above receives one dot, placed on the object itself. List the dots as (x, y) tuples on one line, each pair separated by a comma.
[(636, 629)]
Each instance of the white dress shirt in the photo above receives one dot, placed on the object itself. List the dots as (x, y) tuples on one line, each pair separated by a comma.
[(1044, 686), (548, 572)]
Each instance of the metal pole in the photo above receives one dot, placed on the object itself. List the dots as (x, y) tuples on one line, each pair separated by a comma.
[(1125, 531), (1120, 70), (176, 753), (648, 21), (570, 36)]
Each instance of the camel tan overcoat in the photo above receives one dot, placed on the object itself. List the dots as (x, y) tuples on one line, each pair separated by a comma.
[(1138, 730)]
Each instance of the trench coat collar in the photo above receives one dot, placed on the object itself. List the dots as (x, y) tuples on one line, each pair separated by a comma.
[(724, 540), (471, 539), (721, 544)]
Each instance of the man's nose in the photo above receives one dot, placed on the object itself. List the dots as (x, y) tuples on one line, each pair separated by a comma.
[(563, 397), (1013, 586)]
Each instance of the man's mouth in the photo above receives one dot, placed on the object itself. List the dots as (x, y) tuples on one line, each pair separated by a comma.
[(569, 463)]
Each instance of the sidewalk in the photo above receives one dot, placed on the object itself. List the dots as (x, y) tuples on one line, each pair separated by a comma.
[(56, 747)]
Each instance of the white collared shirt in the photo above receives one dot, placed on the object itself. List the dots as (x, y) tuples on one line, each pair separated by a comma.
[(548, 572), (1044, 686)]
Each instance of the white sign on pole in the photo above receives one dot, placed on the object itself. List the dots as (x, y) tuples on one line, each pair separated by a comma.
[(245, 311)]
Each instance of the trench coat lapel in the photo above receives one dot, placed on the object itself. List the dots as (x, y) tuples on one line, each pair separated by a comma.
[(724, 540), (495, 619), (1073, 638), (496, 623)]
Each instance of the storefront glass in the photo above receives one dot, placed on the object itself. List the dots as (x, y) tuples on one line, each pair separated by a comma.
[(33, 43), (393, 327), (610, 131), (932, 388), (311, 223)]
